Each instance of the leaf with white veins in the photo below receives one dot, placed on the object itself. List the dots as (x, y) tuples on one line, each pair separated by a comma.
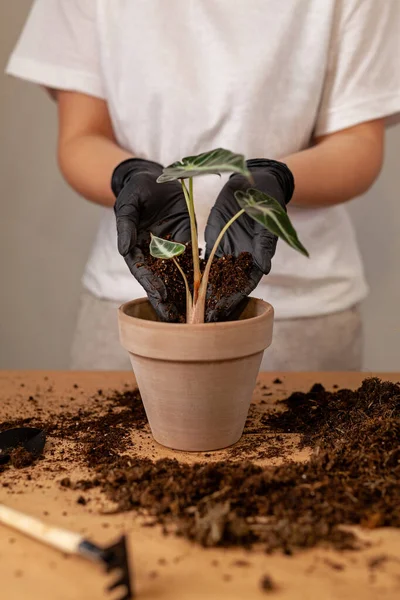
[(267, 211), (214, 162), (164, 249)]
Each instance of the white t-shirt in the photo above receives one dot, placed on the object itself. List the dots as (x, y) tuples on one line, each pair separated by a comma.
[(258, 77)]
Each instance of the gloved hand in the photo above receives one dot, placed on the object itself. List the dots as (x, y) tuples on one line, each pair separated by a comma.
[(245, 234), (143, 206)]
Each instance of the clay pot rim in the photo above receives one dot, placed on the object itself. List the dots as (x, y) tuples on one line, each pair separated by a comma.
[(161, 325)]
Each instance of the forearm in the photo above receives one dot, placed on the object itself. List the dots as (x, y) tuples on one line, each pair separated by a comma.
[(87, 163), (338, 167), (87, 149)]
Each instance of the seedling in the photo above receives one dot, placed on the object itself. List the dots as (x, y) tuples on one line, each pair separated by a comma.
[(257, 205)]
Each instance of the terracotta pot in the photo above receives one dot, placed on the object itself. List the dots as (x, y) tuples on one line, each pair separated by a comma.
[(196, 381)]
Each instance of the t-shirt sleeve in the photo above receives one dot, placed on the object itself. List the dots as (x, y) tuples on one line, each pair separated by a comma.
[(58, 47), (363, 74)]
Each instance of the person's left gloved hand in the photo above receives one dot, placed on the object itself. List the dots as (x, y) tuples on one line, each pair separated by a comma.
[(246, 235)]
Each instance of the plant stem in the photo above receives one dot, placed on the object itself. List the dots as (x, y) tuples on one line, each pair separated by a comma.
[(198, 313), (189, 301), (193, 230)]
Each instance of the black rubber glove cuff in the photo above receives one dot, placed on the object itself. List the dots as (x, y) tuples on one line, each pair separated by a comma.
[(281, 172), (124, 170)]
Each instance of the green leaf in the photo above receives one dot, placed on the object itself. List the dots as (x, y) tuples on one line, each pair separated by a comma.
[(213, 162), (165, 249), (267, 211)]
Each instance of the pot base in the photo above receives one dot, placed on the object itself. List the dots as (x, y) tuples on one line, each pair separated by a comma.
[(202, 451)]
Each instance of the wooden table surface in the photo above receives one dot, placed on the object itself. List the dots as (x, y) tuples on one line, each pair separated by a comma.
[(30, 571)]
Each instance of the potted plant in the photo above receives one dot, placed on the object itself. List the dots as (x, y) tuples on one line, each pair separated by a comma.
[(196, 379)]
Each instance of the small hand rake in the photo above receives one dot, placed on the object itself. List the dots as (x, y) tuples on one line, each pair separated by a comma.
[(115, 557)]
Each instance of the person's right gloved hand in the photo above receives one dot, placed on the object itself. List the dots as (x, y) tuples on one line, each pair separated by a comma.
[(143, 206)]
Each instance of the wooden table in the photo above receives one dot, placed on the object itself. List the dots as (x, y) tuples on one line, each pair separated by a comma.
[(166, 568)]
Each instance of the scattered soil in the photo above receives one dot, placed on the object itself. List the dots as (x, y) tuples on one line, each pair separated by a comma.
[(378, 561), (267, 584), (101, 433), (20, 458), (153, 575), (334, 565), (352, 477), (228, 275), (324, 418), (241, 563), (249, 446)]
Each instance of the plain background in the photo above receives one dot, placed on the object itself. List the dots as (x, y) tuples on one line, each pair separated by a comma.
[(46, 232)]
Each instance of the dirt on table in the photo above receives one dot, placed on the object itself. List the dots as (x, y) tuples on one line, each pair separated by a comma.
[(20, 458), (228, 275), (352, 477), (267, 584)]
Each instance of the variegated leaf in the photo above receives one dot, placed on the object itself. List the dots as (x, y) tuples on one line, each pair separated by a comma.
[(267, 211), (214, 162), (160, 248)]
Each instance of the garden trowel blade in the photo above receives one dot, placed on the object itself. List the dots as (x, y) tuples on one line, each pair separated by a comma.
[(30, 438)]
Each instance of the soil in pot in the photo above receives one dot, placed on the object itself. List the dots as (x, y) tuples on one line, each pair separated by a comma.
[(229, 274)]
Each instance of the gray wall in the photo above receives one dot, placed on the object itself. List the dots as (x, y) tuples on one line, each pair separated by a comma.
[(45, 229), (46, 232), (377, 221)]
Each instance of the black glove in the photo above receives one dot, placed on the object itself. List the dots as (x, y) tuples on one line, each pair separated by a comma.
[(143, 206), (245, 234)]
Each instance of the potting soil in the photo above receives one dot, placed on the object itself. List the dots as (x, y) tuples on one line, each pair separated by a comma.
[(352, 477), (228, 275)]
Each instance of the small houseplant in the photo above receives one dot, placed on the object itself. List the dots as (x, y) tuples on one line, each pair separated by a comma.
[(254, 203), (196, 379)]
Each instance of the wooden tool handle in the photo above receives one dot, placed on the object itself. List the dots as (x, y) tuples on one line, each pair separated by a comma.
[(63, 540)]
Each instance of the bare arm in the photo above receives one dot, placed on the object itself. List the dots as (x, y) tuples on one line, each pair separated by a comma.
[(87, 149), (339, 167)]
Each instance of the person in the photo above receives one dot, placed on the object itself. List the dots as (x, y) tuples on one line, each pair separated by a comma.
[(302, 88)]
